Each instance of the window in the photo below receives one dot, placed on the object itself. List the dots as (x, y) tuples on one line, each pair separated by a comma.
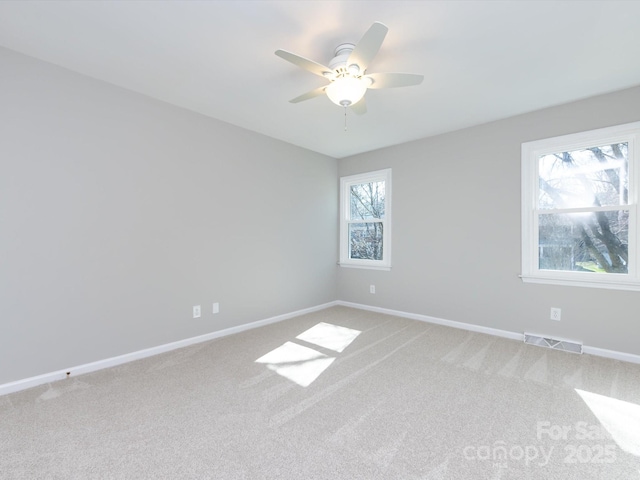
[(365, 220), (579, 209)]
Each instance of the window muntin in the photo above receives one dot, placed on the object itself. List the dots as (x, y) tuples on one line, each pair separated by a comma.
[(365, 220), (579, 215)]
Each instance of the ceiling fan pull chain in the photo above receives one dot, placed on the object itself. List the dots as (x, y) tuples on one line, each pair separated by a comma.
[(345, 118)]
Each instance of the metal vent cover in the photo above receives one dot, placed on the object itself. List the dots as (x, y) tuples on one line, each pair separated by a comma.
[(554, 343)]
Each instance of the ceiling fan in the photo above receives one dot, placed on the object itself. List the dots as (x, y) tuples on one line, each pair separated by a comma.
[(347, 71)]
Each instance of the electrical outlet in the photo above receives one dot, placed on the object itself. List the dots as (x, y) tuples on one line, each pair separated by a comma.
[(372, 289), (556, 314), (216, 307), (197, 312)]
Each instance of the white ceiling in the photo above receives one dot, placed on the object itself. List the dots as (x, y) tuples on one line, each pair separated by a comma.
[(482, 60)]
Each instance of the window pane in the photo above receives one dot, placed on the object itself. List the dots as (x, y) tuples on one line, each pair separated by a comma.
[(593, 242), (367, 201), (365, 241), (595, 176)]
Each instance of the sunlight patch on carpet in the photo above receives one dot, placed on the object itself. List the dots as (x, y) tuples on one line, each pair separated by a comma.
[(333, 337), (621, 419), (299, 364)]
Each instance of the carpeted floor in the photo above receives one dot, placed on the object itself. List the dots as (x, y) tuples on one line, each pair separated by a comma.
[(359, 395)]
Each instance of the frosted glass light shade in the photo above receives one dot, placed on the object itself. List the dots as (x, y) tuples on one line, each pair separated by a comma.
[(346, 91)]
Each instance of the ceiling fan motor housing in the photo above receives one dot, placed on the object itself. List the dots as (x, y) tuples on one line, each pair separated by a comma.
[(339, 61)]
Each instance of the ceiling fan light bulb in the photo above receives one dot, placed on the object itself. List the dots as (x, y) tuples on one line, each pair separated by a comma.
[(346, 91)]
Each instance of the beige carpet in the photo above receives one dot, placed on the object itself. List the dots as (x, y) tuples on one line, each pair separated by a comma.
[(385, 398)]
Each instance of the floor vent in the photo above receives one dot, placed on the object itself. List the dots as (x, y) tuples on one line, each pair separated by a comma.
[(556, 344)]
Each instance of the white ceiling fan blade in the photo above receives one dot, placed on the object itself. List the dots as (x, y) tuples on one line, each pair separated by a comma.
[(306, 96), (391, 80), (360, 107), (305, 63), (368, 46)]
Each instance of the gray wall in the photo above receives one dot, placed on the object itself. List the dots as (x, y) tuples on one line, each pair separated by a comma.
[(119, 212), (456, 232)]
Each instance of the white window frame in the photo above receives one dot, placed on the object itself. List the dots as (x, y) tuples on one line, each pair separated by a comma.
[(345, 220), (531, 152)]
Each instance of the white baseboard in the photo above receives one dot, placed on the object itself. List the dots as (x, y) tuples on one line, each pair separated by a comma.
[(130, 357), (148, 352), (439, 321), (600, 352)]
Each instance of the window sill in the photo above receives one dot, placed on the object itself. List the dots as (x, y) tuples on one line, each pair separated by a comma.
[(366, 267), (611, 284)]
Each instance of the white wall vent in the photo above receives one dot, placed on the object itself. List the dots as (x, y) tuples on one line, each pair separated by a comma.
[(555, 343)]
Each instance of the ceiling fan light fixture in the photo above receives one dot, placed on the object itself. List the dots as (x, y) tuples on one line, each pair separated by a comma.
[(346, 91)]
